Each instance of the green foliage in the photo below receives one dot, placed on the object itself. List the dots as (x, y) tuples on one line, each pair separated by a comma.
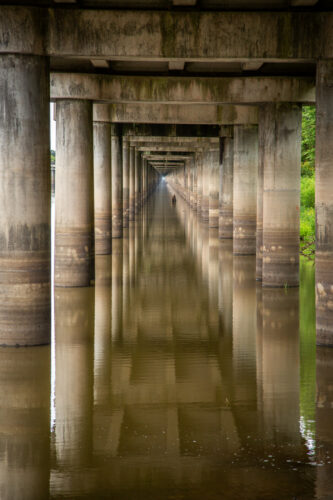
[(52, 156), (308, 192), (308, 140), (308, 217)]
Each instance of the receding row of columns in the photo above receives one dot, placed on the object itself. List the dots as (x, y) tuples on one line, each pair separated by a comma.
[(25, 249), (256, 187)]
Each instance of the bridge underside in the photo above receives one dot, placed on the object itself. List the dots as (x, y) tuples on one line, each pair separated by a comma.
[(205, 92)]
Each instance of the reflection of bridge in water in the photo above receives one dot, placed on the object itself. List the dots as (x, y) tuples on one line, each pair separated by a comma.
[(200, 395)]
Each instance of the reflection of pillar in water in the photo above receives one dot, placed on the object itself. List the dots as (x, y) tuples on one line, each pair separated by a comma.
[(126, 277), (213, 278), (244, 328), (281, 363), (102, 337), (24, 423), (74, 320), (324, 419), (117, 288), (225, 286)]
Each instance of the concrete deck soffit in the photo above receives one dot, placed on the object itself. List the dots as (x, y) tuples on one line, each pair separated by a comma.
[(167, 35)]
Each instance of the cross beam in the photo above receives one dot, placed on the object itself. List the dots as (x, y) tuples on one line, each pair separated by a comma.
[(176, 90)]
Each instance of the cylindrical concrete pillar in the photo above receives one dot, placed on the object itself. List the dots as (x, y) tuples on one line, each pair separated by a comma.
[(132, 184), (214, 187), (137, 181), (205, 186), (102, 187), (74, 199), (25, 201), (116, 183), (126, 181), (226, 188), (245, 189), (198, 162), (324, 203), (281, 194), (260, 188)]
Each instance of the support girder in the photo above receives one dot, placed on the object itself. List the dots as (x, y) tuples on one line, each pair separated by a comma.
[(176, 90)]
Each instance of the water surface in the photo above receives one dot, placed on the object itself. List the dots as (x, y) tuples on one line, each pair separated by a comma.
[(175, 377)]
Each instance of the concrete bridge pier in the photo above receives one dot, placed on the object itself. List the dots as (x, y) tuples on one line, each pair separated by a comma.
[(194, 184), (126, 181), (25, 254), (282, 126), (137, 182), (205, 185), (102, 187), (260, 188), (116, 182), (214, 180), (226, 188), (324, 203), (198, 164), (132, 154), (74, 201), (245, 189)]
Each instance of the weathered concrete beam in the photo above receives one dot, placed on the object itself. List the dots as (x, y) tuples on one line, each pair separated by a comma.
[(177, 113), (164, 35), (154, 140), (150, 148), (175, 90), (150, 157), (156, 35)]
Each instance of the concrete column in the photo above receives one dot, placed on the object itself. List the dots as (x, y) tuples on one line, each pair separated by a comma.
[(74, 198), (144, 180), (214, 186), (281, 194), (137, 180), (102, 187), (194, 184), (226, 188), (132, 184), (245, 189), (126, 181), (188, 168), (205, 186), (198, 162), (25, 201), (116, 183), (260, 188), (324, 203)]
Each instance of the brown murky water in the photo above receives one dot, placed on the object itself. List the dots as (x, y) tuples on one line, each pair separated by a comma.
[(175, 377)]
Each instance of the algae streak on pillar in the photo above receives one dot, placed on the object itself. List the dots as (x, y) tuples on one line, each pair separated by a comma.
[(74, 263)]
